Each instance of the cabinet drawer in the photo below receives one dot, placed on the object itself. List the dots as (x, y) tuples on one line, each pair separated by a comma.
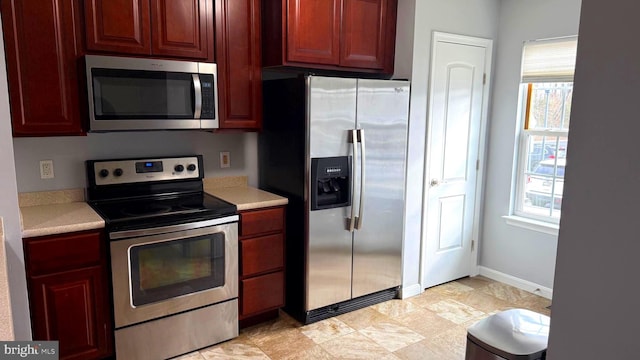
[(262, 293), (62, 252), (261, 221), (261, 254)]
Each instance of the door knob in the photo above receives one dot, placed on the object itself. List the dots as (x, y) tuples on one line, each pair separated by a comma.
[(434, 182)]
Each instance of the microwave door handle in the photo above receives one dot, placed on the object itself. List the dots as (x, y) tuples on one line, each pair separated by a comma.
[(197, 98)]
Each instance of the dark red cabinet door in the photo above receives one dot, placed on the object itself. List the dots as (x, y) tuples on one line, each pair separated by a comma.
[(238, 55), (163, 28), (70, 307), (69, 294), (118, 26), (313, 31), (179, 28), (43, 45), (364, 33), (347, 35)]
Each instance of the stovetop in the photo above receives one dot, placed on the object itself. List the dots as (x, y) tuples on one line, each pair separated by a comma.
[(161, 210), (145, 193)]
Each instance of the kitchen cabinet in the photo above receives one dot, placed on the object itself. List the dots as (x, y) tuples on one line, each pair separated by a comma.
[(42, 45), (261, 267), (69, 294), (238, 55), (163, 28), (349, 35)]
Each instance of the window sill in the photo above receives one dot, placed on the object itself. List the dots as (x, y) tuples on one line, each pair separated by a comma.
[(530, 224)]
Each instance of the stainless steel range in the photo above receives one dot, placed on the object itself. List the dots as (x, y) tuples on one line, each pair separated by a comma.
[(174, 255)]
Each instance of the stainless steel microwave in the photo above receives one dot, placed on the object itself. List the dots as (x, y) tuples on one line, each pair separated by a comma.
[(127, 94)]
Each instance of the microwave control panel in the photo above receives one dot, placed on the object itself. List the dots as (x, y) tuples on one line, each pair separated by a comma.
[(208, 97)]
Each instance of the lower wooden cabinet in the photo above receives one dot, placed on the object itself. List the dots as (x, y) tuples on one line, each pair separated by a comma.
[(262, 293), (261, 264), (69, 293)]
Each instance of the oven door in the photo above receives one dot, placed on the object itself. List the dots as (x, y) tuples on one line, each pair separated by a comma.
[(164, 274)]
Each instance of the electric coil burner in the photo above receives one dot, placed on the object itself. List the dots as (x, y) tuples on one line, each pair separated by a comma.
[(174, 255)]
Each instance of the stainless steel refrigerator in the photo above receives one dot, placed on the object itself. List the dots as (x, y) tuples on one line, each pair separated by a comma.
[(336, 147)]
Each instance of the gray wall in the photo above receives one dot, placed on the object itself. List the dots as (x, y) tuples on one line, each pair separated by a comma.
[(417, 19), (69, 153), (595, 304), (522, 253), (11, 214)]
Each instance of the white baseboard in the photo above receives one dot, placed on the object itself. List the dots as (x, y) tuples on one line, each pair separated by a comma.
[(517, 282), (411, 290)]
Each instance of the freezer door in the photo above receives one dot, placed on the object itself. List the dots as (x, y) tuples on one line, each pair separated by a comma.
[(330, 115), (383, 112)]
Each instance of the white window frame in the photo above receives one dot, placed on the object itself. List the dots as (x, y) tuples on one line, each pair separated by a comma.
[(518, 202)]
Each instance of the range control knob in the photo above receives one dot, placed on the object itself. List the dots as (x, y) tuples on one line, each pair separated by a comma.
[(103, 173), (191, 167), (179, 168), (117, 172)]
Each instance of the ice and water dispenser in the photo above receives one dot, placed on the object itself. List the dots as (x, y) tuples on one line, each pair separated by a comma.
[(330, 182)]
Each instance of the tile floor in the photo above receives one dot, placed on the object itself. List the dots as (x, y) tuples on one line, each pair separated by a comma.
[(428, 326)]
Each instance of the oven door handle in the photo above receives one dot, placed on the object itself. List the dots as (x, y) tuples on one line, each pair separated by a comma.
[(115, 235)]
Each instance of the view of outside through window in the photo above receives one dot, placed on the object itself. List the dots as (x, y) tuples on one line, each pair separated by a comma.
[(545, 142)]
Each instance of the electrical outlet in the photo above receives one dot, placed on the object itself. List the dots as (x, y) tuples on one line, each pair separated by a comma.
[(225, 159), (46, 169)]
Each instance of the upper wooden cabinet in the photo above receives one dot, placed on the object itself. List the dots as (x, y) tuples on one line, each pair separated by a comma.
[(238, 35), (313, 31), (42, 43), (351, 35), (164, 28)]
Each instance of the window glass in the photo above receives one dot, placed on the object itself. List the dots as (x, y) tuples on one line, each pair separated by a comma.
[(549, 106)]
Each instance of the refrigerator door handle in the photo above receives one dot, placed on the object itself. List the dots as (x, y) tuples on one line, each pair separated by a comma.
[(359, 219), (354, 141)]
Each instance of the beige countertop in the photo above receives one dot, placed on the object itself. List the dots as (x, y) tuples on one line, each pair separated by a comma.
[(64, 211), (246, 197), (50, 219), (235, 190)]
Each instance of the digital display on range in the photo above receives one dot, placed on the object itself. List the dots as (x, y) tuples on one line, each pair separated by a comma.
[(148, 166)]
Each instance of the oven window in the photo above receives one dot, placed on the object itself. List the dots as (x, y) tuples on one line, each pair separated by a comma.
[(165, 270), (136, 94)]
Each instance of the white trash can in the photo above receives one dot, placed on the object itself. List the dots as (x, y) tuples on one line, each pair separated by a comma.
[(512, 335)]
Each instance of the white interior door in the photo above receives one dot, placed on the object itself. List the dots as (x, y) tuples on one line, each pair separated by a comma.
[(459, 69)]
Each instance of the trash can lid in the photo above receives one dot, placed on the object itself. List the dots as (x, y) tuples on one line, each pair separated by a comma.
[(514, 332)]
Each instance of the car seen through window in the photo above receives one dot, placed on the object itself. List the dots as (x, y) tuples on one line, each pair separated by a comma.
[(545, 184)]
